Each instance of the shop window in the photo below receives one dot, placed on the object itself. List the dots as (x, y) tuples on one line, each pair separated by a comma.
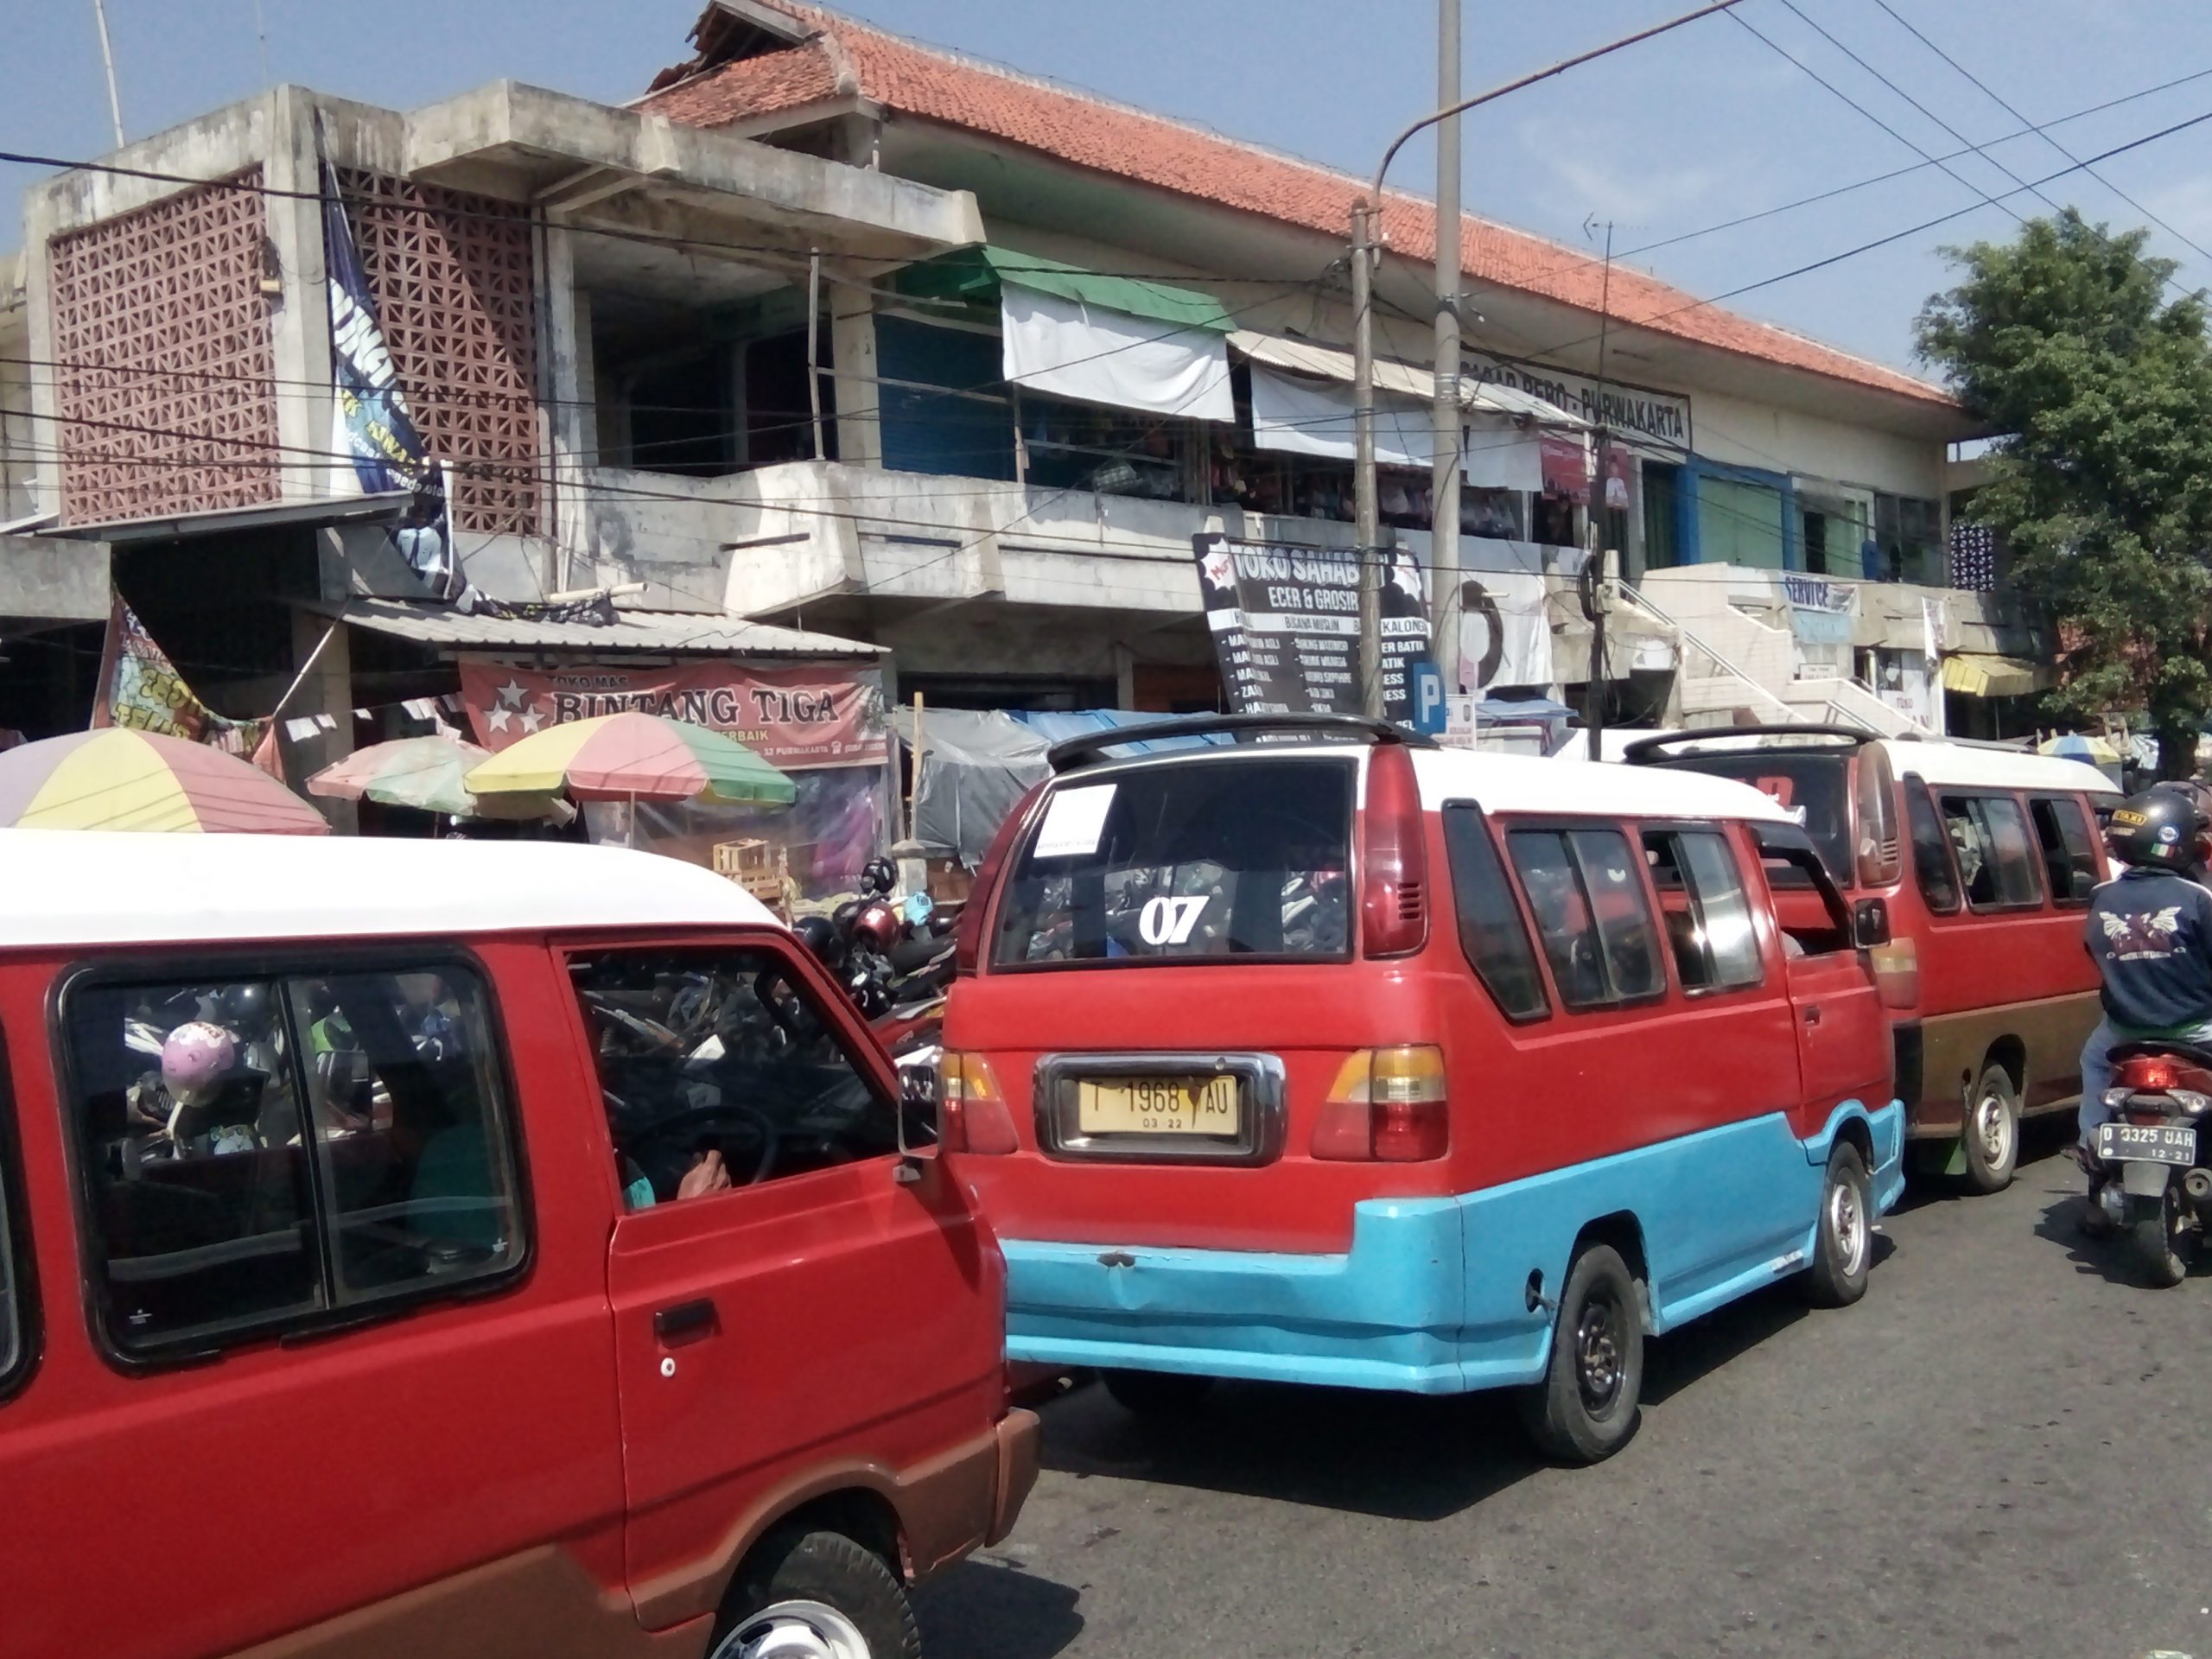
[(942, 404), (1997, 860), (1661, 501), (719, 1070), (1586, 895), (209, 1225), (1552, 521), (1908, 541), (1704, 909), (2069, 857), (1068, 445), (1491, 932), (1740, 523)]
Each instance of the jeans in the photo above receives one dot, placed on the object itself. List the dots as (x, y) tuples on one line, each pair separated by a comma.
[(2097, 1067)]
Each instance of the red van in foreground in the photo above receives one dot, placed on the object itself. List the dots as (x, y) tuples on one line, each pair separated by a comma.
[(1986, 858), (1358, 1062), (425, 1248)]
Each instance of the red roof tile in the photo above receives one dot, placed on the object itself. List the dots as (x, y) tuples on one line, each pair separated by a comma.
[(1153, 149)]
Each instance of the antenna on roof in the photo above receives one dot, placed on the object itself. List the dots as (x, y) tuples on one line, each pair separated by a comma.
[(107, 61)]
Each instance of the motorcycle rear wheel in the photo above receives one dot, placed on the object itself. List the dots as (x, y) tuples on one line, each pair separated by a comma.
[(2161, 1238)]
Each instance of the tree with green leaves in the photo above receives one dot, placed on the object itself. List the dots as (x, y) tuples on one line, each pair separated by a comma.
[(2065, 341)]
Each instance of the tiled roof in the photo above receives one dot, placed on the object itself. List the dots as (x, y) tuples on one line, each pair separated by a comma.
[(849, 58)]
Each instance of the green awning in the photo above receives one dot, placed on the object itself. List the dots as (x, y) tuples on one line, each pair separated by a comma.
[(977, 274)]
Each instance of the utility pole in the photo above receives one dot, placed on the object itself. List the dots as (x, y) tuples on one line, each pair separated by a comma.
[(1366, 224), (107, 59), (1444, 410), (1597, 595)]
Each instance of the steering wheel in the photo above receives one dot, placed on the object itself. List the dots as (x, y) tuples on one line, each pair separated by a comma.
[(700, 1126)]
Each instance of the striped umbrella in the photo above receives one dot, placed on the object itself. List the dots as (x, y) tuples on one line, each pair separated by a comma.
[(633, 757), (119, 779), (426, 773)]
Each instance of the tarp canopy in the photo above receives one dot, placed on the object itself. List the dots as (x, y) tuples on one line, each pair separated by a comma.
[(1314, 417), (1328, 363), (1980, 674), (1086, 350), (978, 273)]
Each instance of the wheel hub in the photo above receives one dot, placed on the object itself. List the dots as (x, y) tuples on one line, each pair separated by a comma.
[(1994, 1125), (796, 1630), (1597, 1356), (1847, 1226)]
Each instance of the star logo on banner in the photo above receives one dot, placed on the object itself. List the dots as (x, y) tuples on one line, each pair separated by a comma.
[(497, 718), (532, 720), (512, 695), (1405, 574)]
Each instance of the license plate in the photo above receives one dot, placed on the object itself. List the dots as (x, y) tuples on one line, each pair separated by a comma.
[(2152, 1143), (1157, 1106)]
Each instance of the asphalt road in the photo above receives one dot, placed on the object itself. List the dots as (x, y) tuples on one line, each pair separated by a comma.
[(2001, 1450)]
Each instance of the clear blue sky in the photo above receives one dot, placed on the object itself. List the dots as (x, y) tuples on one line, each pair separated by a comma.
[(1699, 127)]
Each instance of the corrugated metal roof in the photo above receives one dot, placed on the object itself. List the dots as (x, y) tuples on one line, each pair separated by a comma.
[(707, 632)]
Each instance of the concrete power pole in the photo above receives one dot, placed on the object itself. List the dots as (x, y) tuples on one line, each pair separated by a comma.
[(1368, 529), (1444, 415), (107, 61)]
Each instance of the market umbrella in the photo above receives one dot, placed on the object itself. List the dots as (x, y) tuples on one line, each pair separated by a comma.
[(634, 757), (426, 773), (119, 779)]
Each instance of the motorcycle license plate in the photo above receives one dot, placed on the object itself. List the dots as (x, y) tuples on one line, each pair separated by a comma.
[(2153, 1143), (1157, 1106)]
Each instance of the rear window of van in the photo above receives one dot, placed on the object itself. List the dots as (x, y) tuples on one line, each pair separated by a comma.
[(1193, 860), (1814, 788)]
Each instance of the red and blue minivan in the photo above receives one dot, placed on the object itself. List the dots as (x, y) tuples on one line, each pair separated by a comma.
[(1346, 1059)]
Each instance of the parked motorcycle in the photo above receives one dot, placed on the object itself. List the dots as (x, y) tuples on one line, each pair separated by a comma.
[(2153, 1175), (894, 958)]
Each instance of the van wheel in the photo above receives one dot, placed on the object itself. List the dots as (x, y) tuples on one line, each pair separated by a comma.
[(1157, 1394), (1843, 1245), (816, 1595), (1585, 1409), (1991, 1139)]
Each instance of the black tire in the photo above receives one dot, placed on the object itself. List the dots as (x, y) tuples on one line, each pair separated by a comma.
[(808, 1576), (2159, 1236), (1166, 1395), (1990, 1136), (1843, 1243), (1585, 1408)]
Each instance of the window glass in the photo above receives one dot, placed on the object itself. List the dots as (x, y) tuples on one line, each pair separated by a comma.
[(718, 1070), (1997, 860), (1491, 932), (1591, 913), (2070, 859), (11, 1316), (1814, 917), (1931, 850), (1704, 912), (204, 1173), (1193, 860), (1814, 788)]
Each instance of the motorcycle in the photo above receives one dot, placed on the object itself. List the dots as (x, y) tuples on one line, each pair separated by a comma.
[(894, 959), (2152, 1170)]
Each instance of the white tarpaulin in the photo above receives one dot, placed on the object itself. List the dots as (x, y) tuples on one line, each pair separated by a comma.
[(1311, 417), (1504, 630), (1499, 454), (1074, 350)]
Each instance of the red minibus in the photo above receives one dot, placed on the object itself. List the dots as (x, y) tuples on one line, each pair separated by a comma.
[(1987, 858), (1353, 1060), (439, 1248)]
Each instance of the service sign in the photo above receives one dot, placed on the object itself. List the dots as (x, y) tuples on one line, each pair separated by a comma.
[(826, 716), (1286, 626)]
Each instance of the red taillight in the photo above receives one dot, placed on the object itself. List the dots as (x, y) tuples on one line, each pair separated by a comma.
[(1897, 973), (1387, 1105), (974, 1114), (1393, 860), (967, 933), (2150, 1076)]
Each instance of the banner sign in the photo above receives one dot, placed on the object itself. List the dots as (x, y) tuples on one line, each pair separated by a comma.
[(140, 688), (826, 716), (369, 418), (1286, 626), (1631, 412)]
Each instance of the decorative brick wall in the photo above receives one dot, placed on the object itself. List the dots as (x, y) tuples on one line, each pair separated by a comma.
[(451, 278), (162, 338)]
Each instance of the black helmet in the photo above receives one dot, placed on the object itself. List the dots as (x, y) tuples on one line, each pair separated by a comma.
[(820, 937), (2159, 826), (878, 876)]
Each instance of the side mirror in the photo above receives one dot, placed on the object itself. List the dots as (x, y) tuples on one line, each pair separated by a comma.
[(919, 1111), (1870, 923)]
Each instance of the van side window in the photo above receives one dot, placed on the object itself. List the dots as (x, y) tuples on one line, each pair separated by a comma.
[(1931, 850), (1587, 897), (222, 1204), (1997, 860), (1814, 925), (14, 1273), (1491, 932), (1702, 904), (2069, 857), (718, 1070)]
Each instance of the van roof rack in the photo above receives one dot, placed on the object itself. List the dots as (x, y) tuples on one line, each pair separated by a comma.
[(1344, 728), (1650, 748)]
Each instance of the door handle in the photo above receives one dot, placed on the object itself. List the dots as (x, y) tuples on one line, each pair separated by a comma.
[(686, 1322), (1813, 1014)]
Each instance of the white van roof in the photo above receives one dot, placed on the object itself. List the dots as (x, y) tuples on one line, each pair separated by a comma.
[(1967, 766), (79, 887)]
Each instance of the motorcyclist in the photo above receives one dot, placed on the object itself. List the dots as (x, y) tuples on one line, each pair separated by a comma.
[(2150, 932)]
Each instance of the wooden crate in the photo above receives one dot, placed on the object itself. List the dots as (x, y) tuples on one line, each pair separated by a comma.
[(761, 869)]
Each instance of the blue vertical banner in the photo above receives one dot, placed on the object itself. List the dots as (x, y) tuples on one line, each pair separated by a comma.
[(369, 418)]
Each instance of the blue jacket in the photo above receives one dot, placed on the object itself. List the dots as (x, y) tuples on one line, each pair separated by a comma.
[(2150, 933)]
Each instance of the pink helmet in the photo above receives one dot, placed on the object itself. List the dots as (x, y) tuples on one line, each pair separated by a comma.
[(195, 1058)]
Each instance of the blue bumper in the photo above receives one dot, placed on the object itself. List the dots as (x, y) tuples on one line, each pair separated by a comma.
[(1433, 1296)]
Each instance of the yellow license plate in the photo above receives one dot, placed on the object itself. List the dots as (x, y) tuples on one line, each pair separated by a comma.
[(1157, 1106)]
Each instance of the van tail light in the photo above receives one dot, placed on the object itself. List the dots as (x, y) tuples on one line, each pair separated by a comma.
[(2150, 1075), (976, 1115), (1897, 973), (1394, 866), (1386, 1106), (1881, 851), (968, 934)]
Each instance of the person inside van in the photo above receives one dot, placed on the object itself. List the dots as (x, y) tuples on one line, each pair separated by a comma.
[(2150, 932)]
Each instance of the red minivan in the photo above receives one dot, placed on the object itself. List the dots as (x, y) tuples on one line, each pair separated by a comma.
[(1991, 995), (424, 1248), (1351, 1060)]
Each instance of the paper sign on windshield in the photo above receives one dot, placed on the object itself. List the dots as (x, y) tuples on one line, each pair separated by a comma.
[(1074, 821)]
